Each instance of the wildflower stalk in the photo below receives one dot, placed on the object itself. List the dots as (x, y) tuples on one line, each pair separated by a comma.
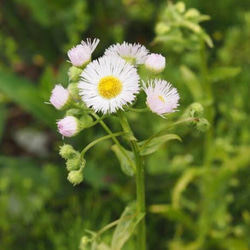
[(106, 128), (140, 185), (93, 143)]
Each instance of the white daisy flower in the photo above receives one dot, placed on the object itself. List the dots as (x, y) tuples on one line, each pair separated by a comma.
[(132, 53), (162, 98), (80, 55), (108, 83)]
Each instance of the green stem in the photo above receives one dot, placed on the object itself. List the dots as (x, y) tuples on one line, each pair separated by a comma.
[(140, 185), (93, 143), (106, 128)]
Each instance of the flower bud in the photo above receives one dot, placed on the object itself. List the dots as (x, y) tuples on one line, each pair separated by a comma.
[(74, 74), (75, 177), (192, 13), (84, 243), (86, 121), (202, 125), (180, 7), (75, 163), (196, 109), (162, 28), (80, 55), (60, 97), (67, 151), (155, 63), (69, 126), (74, 91)]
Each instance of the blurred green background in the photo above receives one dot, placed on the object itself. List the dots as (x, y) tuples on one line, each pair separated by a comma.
[(198, 191)]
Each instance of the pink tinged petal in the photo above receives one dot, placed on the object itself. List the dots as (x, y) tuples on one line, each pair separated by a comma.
[(162, 98), (68, 126), (59, 96), (81, 53), (155, 63)]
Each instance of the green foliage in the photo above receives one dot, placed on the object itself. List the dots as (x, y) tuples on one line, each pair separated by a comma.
[(125, 227), (197, 190)]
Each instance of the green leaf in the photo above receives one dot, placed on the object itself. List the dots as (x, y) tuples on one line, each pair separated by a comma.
[(207, 39), (3, 118), (25, 94), (125, 165), (151, 145), (126, 226), (223, 73), (191, 82)]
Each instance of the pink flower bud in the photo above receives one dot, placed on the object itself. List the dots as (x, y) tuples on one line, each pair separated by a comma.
[(155, 63), (60, 97), (68, 126), (80, 55)]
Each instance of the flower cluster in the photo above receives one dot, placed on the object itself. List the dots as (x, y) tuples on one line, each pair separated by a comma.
[(111, 83)]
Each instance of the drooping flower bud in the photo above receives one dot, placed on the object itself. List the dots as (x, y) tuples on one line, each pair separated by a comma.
[(67, 151), (155, 63), (69, 126), (60, 97), (202, 125), (196, 109), (75, 163), (75, 177)]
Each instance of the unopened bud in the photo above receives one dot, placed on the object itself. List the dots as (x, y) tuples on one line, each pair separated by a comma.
[(162, 28), (69, 126), (67, 151), (75, 163), (75, 177), (84, 243), (60, 97), (74, 91), (155, 63), (74, 74), (202, 125), (196, 109), (86, 121), (180, 7), (192, 13)]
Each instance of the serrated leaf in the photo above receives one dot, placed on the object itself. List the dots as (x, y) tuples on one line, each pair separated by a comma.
[(191, 82), (126, 226), (124, 163), (151, 145), (222, 73), (25, 94)]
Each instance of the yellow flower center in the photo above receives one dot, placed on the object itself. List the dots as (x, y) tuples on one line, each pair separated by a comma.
[(109, 87), (161, 98)]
